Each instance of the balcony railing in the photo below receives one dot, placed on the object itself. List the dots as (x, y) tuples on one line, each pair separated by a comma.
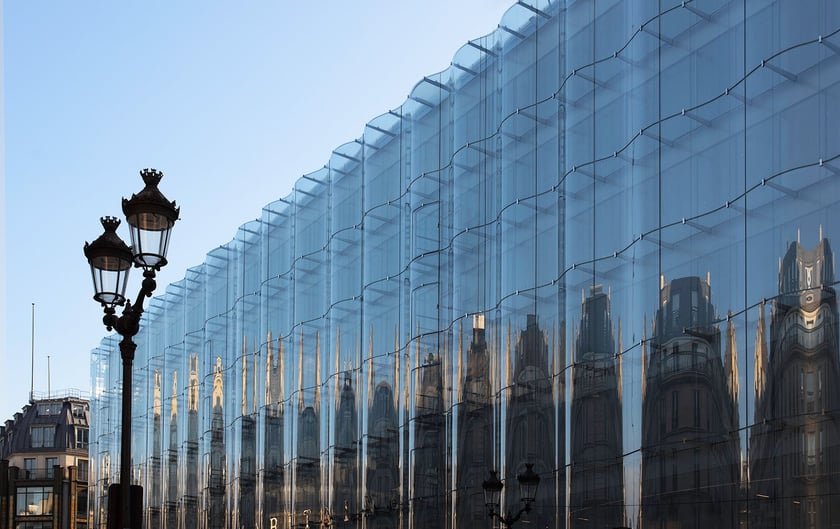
[(38, 473)]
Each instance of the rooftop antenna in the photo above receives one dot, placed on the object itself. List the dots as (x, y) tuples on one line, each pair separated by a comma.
[(32, 363), (49, 391)]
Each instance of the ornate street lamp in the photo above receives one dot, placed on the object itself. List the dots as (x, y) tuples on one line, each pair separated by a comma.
[(150, 217), (528, 483)]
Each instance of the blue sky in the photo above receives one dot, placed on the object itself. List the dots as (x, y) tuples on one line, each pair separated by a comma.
[(232, 101)]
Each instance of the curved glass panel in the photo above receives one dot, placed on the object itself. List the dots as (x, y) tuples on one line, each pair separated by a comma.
[(599, 245)]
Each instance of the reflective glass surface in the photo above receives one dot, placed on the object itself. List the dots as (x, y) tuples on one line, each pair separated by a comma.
[(598, 244)]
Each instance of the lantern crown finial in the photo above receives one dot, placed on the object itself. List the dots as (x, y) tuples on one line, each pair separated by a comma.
[(151, 176), (110, 223)]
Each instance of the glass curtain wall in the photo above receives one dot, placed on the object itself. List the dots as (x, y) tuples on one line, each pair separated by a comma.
[(598, 245)]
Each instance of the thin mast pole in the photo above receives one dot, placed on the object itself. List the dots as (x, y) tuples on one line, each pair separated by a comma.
[(32, 364)]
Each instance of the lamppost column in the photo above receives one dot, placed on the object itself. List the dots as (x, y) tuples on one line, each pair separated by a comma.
[(150, 217), (127, 348)]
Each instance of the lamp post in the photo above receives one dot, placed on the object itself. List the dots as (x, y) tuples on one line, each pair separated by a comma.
[(528, 483), (150, 217)]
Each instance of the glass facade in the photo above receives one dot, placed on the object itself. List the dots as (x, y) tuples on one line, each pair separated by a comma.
[(598, 244)]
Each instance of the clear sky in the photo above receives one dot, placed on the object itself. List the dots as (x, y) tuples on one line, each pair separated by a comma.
[(233, 101)]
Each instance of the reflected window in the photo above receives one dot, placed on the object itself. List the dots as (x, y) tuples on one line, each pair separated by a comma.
[(697, 408), (810, 450), (675, 308), (695, 310), (675, 357), (696, 469), (675, 404)]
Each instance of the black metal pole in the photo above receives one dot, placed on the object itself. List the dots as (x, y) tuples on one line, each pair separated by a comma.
[(128, 325), (127, 348)]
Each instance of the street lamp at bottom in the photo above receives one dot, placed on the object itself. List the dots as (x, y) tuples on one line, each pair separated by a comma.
[(528, 483)]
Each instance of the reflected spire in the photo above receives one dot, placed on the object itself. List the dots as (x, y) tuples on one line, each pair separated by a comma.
[(281, 379), (218, 390), (156, 406), (173, 402), (760, 369), (192, 400), (731, 361)]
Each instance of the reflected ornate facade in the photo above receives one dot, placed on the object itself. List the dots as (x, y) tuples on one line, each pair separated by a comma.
[(429, 446), (409, 318), (796, 436), (691, 459), (475, 430), (597, 474), (531, 426)]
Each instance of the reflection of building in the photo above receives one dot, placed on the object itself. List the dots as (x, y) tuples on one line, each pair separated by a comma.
[(44, 466), (217, 513), (308, 467), (531, 424), (248, 440), (429, 448), (154, 478), (382, 465), (597, 472), (690, 444), (796, 436), (191, 469), (274, 439), (475, 431), (552, 154), (345, 463), (171, 501)]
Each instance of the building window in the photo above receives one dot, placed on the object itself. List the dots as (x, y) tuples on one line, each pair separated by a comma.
[(79, 411), (82, 469), (43, 436), (29, 468), (46, 409), (81, 504), (51, 463), (82, 436), (34, 501), (34, 525)]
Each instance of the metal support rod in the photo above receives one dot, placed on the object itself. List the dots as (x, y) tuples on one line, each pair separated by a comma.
[(127, 348), (128, 326)]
